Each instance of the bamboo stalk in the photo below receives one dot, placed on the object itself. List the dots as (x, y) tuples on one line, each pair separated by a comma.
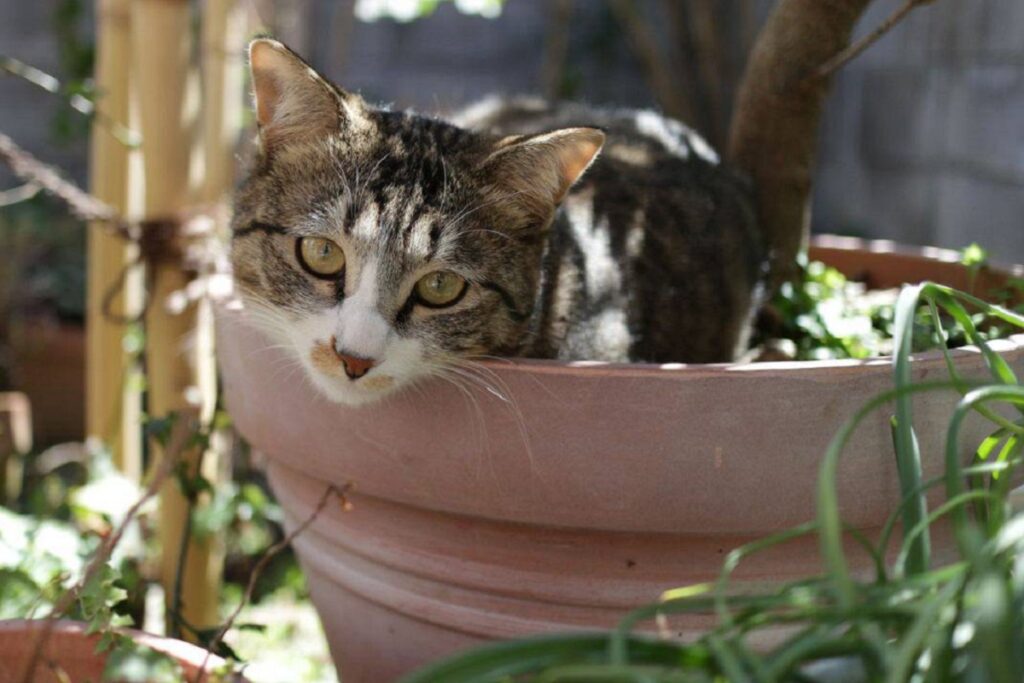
[(224, 26), (113, 404), (177, 342)]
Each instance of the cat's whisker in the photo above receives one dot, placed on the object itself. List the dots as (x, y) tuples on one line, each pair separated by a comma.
[(588, 287), (501, 359), (360, 189), (503, 235), (481, 373), (444, 373), (466, 213), (504, 392), (444, 186)]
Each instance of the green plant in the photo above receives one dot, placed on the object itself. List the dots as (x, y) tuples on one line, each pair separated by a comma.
[(914, 620), (77, 54), (77, 544), (825, 315), (44, 251), (75, 553)]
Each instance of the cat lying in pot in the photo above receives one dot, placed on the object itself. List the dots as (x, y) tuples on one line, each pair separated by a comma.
[(383, 247)]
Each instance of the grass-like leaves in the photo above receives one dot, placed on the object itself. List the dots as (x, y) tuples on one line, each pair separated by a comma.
[(961, 621)]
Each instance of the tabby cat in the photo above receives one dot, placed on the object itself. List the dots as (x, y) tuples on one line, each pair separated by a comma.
[(382, 247)]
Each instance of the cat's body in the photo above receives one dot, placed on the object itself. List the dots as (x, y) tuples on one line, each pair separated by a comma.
[(654, 254), (383, 246)]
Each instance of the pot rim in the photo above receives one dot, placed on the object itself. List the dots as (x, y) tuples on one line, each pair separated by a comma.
[(183, 651), (678, 370)]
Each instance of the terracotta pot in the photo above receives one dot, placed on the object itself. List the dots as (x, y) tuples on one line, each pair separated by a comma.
[(49, 366), (68, 650), (586, 491)]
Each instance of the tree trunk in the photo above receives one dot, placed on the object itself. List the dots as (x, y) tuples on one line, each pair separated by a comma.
[(774, 131)]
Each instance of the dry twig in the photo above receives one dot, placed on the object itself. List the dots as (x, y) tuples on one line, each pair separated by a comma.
[(261, 565), (851, 52), (19, 194), (556, 48), (82, 204), (159, 238), (79, 103), (644, 42)]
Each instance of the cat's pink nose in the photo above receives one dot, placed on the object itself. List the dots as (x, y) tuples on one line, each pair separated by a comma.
[(355, 367)]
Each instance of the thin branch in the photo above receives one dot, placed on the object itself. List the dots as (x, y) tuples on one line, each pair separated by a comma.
[(180, 434), (644, 42), (79, 103), (83, 205), (748, 25), (556, 48), (708, 47), (183, 548), (19, 194), (854, 50), (257, 571)]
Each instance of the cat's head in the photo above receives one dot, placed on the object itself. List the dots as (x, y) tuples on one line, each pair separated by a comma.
[(381, 247)]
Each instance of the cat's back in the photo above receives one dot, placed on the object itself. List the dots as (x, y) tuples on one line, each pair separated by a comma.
[(639, 138), (661, 237)]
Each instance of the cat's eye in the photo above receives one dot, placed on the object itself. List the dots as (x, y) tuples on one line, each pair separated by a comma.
[(440, 288), (321, 257)]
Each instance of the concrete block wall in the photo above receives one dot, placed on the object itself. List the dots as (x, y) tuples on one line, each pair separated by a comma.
[(27, 112), (923, 140)]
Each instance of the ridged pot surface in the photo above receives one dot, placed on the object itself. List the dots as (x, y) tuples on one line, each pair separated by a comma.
[(566, 493)]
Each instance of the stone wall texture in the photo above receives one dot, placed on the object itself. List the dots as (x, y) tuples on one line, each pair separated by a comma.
[(922, 142), (924, 137)]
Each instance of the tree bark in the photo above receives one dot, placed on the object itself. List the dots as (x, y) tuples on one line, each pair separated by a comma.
[(774, 131)]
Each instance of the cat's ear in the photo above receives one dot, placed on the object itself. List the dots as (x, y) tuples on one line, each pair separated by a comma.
[(543, 167), (292, 100)]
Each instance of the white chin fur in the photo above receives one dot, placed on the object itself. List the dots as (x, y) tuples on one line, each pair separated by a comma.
[(401, 364), (349, 394), (399, 359)]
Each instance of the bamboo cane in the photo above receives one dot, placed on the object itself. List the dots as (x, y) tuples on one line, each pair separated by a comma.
[(178, 343), (224, 26), (113, 404)]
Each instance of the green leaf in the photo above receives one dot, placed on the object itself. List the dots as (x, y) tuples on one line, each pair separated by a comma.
[(990, 443), (908, 455), (973, 256)]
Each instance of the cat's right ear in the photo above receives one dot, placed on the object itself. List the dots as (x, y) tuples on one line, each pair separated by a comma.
[(292, 100)]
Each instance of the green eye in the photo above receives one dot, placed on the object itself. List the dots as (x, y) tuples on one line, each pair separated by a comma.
[(440, 288), (321, 257)]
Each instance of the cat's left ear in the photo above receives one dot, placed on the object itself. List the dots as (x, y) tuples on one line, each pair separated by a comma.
[(292, 100), (543, 167)]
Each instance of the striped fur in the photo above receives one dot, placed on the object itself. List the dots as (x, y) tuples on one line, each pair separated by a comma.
[(651, 256)]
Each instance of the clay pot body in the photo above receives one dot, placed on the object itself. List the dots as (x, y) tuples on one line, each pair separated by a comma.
[(69, 652), (572, 492), (49, 366)]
